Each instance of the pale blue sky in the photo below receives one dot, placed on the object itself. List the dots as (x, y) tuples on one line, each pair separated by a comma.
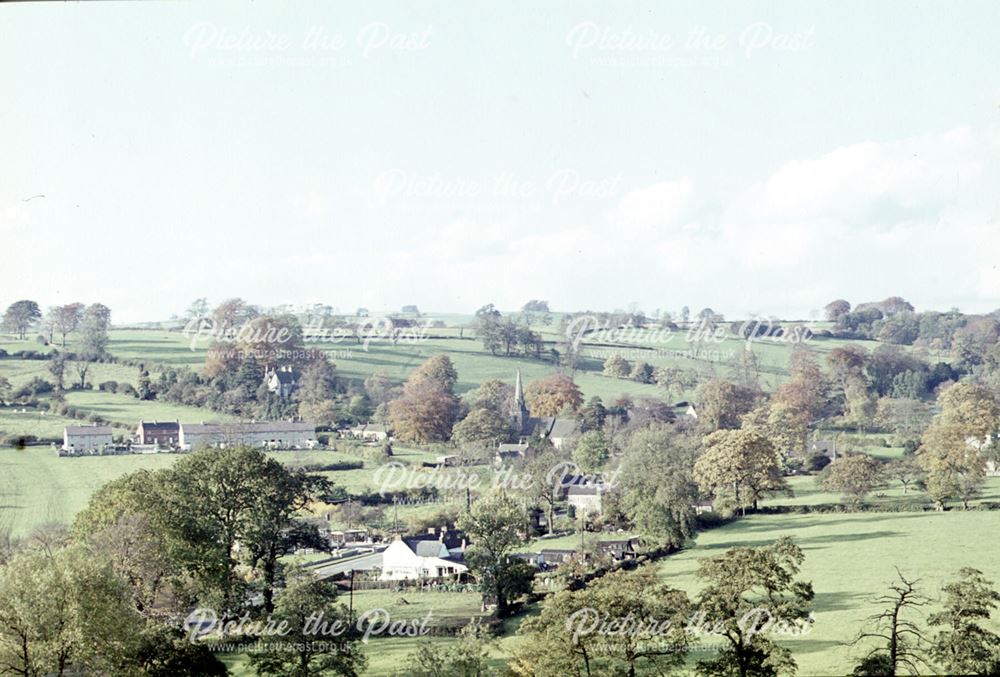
[(455, 154)]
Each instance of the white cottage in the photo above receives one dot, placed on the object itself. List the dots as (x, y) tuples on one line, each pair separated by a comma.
[(420, 558), (85, 439)]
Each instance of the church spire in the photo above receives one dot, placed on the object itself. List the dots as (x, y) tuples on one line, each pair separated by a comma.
[(519, 410)]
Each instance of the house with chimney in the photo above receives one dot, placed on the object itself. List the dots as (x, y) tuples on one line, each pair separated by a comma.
[(160, 433), (429, 556), (281, 381), (86, 439)]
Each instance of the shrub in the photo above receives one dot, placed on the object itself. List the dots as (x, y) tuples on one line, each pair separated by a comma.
[(108, 387), (816, 462), (34, 387)]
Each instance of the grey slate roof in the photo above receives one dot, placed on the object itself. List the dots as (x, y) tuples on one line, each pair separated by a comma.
[(79, 430)]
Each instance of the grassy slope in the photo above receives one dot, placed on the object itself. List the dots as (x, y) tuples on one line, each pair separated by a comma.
[(850, 558), (37, 487)]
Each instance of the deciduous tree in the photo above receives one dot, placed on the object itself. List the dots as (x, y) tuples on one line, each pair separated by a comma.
[(742, 460), (553, 395), (496, 526), (747, 592)]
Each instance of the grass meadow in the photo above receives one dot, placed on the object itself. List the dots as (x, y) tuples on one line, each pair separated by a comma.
[(850, 558)]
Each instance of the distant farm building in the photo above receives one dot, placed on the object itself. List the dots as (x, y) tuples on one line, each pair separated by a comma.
[(166, 433), (270, 434), (514, 452), (370, 432), (86, 439), (586, 498)]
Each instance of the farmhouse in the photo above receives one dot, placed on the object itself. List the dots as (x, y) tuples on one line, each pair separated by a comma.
[(282, 381), (167, 433), (370, 432), (626, 548), (83, 439), (270, 434), (514, 452), (421, 557), (586, 498), (556, 430)]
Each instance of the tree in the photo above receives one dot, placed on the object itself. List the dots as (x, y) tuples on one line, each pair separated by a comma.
[(57, 367), (567, 637), (854, 476), (593, 414), (659, 487), (230, 315), (492, 394), (6, 390), (834, 309), (804, 394), (197, 310), (62, 612), (437, 370), (318, 382), (66, 319), (591, 451), (721, 404), (965, 647), (304, 651), (902, 637), (951, 449), (541, 487), (244, 521), (19, 317), (99, 314), (427, 409), (905, 470), (642, 372), (482, 427), (742, 460), (616, 366), (553, 395), (94, 332), (747, 591), (848, 363), (495, 526), (468, 657)]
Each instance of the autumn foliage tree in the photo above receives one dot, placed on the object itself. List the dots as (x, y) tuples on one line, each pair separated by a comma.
[(854, 476), (744, 461), (427, 409), (953, 449), (722, 403), (553, 395)]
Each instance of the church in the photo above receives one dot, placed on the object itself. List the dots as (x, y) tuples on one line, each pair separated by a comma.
[(556, 430)]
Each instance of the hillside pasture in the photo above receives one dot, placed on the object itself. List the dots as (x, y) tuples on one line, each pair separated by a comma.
[(850, 558)]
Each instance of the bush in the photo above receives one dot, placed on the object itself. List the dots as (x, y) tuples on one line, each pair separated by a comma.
[(108, 387), (127, 389), (34, 387), (816, 462), (18, 441)]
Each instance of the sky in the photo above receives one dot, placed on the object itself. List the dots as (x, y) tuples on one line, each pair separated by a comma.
[(754, 157)]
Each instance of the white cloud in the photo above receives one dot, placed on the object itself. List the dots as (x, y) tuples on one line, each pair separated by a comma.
[(660, 204)]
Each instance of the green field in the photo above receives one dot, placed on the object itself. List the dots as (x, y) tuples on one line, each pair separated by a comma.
[(850, 558), (37, 487)]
